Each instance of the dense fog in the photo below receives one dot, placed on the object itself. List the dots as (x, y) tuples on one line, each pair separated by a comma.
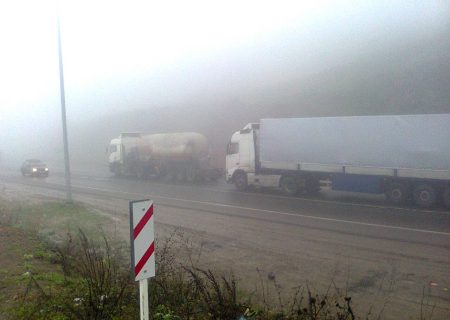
[(197, 67)]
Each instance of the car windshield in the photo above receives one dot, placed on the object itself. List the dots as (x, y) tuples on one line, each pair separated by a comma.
[(35, 162)]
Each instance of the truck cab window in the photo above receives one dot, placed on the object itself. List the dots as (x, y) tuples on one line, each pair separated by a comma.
[(112, 148), (233, 148)]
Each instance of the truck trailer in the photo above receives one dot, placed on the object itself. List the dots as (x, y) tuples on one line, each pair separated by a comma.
[(406, 157), (174, 156)]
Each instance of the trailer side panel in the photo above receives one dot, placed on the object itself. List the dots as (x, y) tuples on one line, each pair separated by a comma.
[(413, 142)]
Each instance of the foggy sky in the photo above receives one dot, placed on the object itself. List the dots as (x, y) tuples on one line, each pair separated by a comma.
[(160, 57)]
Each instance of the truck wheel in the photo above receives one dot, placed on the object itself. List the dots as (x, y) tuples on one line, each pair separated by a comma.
[(289, 185), (424, 195), (312, 186), (117, 170), (140, 172), (446, 197), (191, 174), (181, 175), (170, 176), (240, 181), (397, 192)]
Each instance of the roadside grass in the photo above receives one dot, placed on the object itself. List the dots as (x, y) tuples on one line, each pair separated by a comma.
[(19, 260), (78, 272), (93, 282), (53, 220)]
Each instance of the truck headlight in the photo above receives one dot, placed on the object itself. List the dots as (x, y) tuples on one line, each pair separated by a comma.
[(46, 169), (34, 169)]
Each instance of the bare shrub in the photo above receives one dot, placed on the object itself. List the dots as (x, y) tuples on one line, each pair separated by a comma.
[(97, 284)]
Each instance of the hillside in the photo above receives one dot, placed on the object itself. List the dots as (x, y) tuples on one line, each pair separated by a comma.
[(407, 79)]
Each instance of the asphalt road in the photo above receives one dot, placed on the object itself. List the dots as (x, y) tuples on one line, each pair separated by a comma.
[(358, 242)]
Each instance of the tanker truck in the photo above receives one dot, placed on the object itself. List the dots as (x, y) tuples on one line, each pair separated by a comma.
[(406, 157), (173, 156)]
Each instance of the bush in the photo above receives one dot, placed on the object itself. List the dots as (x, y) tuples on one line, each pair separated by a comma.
[(97, 285)]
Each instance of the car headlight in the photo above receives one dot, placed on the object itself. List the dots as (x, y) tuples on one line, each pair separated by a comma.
[(34, 169), (46, 169)]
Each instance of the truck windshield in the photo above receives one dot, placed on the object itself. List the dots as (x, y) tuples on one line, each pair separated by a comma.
[(233, 148), (112, 148)]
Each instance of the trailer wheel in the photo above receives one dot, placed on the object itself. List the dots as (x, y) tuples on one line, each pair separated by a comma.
[(446, 197), (181, 175), (312, 186), (289, 185), (240, 181), (425, 195), (169, 176), (140, 172), (191, 174), (397, 192)]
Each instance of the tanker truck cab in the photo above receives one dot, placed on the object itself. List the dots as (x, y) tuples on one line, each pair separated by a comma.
[(114, 151), (115, 158), (117, 152), (242, 160)]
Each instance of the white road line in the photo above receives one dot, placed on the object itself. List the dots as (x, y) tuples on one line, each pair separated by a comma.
[(277, 212), (340, 203)]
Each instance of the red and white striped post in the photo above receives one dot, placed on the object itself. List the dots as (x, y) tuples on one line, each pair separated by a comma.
[(142, 240)]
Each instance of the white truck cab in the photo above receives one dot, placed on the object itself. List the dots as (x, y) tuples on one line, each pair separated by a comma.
[(116, 152), (242, 160)]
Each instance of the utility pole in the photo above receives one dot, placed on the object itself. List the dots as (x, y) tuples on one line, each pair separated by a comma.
[(63, 115)]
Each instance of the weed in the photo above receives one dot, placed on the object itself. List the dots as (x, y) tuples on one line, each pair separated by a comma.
[(95, 281), (164, 313), (218, 294), (94, 284)]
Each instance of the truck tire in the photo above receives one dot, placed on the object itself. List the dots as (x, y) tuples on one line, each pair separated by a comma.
[(397, 192), (240, 181), (140, 173), (425, 195), (170, 176), (289, 185), (181, 175), (117, 170), (191, 174), (446, 197), (312, 186)]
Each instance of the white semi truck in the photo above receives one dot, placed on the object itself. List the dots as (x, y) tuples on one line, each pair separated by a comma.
[(407, 157), (175, 156)]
